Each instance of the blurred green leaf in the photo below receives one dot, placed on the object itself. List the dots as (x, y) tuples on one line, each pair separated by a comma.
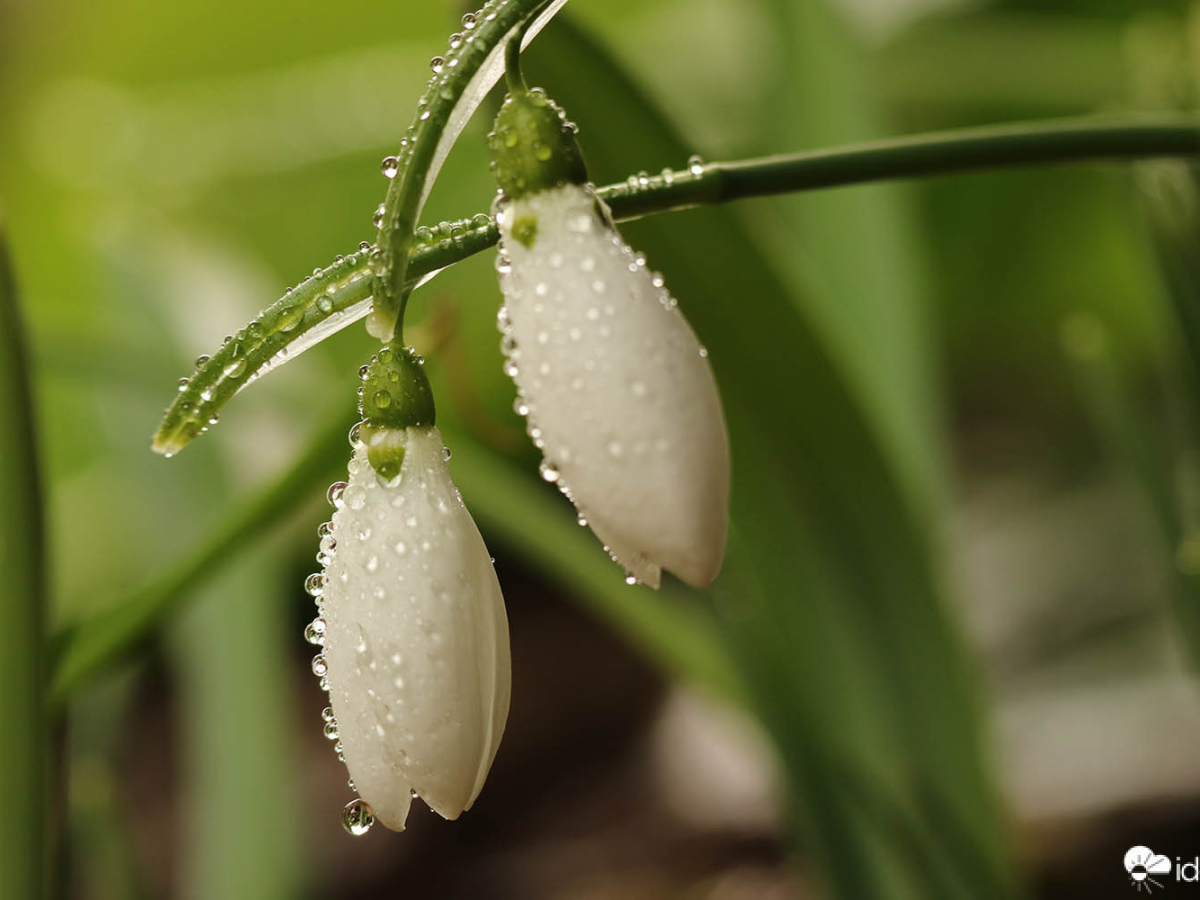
[(240, 765), (24, 753), (86, 648), (829, 597)]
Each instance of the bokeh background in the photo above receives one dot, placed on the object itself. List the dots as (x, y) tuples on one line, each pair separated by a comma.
[(952, 650)]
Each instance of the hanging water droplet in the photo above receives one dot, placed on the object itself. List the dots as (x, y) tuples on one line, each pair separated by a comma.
[(325, 529), (390, 166), (358, 817), (356, 434), (327, 714), (331, 730), (319, 666), (334, 496), (581, 521), (631, 579), (314, 633), (548, 472), (446, 453)]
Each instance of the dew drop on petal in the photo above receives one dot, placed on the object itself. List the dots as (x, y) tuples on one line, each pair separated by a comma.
[(335, 493), (314, 633), (358, 817)]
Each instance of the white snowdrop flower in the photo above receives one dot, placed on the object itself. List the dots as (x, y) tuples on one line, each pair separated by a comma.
[(617, 391), (415, 637)]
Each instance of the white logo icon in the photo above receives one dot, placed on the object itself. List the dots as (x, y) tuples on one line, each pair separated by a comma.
[(1141, 863)]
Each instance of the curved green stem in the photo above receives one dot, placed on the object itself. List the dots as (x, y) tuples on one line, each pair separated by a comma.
[(1053, 141)]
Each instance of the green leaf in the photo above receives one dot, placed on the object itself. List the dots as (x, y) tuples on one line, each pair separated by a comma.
[(23, 754), (830, 598), (87, 648), (236, 697)]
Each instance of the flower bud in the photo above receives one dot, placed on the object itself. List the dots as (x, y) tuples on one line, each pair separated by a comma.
[(414, 630), (618, 392)]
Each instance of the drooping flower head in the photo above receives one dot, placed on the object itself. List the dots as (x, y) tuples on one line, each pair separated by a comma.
[(617, 391), (412, 622)]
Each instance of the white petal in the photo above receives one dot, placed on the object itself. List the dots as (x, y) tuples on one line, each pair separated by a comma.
[(617, 386), (416, 638)]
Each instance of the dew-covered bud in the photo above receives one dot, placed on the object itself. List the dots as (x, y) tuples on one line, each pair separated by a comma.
[(415, 651), (616, 389)]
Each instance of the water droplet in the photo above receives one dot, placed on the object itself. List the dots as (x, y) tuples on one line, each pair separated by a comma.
[(446, 453), (548, 472), (325, 529), (356, 434), (377, 218), (436, 64), (314, 633), (201, 360), (695, 164), (183, 383), (581, 521), (339, 751), (631, 580), (319, 665), (468, 21), (357, 817), (327, 714), (334, 496), (331, 730), (382, 399), (363, 372), (390, 166)]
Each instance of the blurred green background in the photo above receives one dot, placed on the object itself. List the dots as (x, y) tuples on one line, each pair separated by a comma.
[(950, 652)]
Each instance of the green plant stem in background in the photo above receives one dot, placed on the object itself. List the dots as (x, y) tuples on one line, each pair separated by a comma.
[(23, 751), (941, 153), (88, 647), (1055, 141)]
